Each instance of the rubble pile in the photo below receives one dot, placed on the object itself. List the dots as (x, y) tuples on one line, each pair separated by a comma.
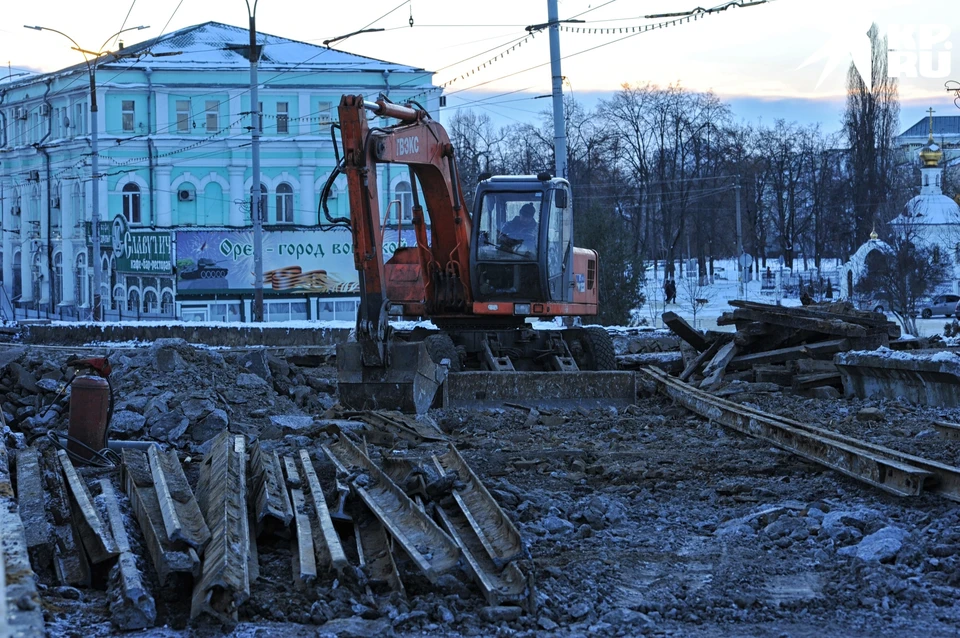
[(781, 346), (237, 473)]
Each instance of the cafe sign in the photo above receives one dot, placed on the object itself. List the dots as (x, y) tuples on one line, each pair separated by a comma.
[(141, 252)]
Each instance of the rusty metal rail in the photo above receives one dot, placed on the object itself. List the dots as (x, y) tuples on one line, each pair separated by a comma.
[(884, 468)]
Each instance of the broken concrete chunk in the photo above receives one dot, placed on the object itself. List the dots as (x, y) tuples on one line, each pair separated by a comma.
[(870, 414), (169, 427), (196, 408), (247, 380), (127, 422), (210, 426)]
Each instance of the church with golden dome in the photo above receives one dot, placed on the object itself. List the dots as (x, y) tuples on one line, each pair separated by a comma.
[(931, 218)]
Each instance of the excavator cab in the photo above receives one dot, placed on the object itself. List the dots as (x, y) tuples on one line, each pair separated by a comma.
[(522, 249)]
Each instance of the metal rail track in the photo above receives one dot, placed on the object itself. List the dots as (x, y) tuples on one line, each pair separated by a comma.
[(887, 469)]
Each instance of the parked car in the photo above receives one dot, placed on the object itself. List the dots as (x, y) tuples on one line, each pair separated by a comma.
[(945, 305)]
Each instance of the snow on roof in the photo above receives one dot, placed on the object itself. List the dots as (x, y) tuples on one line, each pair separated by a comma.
[(214, 45)]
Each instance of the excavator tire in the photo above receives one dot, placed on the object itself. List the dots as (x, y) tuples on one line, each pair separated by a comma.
[(598, 348), (440, 346)]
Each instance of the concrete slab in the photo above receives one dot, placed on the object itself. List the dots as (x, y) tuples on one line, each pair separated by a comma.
[(921, 377)]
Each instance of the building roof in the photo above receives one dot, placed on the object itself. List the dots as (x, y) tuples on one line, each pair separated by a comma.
[(214, 45), (930, 210), (942, 125)]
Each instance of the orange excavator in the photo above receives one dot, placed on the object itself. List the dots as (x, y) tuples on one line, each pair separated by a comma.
[(478, 276)]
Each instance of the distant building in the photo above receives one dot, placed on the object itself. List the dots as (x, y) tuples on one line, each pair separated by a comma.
[(931, 217), (175, 185)]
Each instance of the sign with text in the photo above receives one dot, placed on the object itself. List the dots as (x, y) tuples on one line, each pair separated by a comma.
[(140, 251), (294, 261)]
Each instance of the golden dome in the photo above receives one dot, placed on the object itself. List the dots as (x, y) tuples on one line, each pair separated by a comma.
[(931, 154), (874, 235)]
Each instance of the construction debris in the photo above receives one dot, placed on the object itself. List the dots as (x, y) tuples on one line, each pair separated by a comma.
[(168, 556), (182, 519), (432, 550), (273, 508), (131, 605), (30, 504), (771, 341), (94, 533), (326, 542), (304, 560), (20, 610), (222, 494)]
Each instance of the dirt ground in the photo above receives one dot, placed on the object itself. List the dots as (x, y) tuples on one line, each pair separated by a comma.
[(650, 521)]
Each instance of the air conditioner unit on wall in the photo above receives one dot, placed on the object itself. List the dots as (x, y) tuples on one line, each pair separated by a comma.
[(20, 113), (44, 109), (14, 210), (185, 195), (54, 202), (33, 176)]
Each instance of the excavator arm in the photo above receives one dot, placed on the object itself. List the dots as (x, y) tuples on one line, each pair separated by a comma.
[(443, 281)]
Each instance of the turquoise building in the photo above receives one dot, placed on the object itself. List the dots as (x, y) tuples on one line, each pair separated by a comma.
[(175, 180)]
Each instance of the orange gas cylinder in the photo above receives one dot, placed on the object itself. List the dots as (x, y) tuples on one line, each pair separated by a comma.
[(89, 411)]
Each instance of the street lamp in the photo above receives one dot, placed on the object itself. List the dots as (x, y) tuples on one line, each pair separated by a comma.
[(94, 149)]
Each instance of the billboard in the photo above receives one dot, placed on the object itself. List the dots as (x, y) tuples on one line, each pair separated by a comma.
[(294, 261)]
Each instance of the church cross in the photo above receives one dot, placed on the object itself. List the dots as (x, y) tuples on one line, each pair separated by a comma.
[(931, 111)]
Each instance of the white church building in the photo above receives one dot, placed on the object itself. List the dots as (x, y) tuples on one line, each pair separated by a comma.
[(932, 217)]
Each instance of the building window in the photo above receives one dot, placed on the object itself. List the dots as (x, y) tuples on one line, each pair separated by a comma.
[(284, 204), (57, 279), (405, 196), (129, 116), (263, 203), (149, 301), (166, 303), (82, 290), (80, 118), (133, 300), (183, 116), (131, 203), (213, 116), (323, 115), (283, 115)]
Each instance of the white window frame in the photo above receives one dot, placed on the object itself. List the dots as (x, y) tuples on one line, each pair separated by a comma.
[(182, 116), (212, 111), (283, 117), (128, 115), (284, 211)]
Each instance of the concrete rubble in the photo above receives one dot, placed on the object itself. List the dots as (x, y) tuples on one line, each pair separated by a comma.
[(643, 519)]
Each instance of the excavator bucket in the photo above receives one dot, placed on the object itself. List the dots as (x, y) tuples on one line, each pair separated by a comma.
[(409, 384), (548, 390)]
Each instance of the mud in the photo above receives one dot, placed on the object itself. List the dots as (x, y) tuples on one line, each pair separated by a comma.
[(645, 521)]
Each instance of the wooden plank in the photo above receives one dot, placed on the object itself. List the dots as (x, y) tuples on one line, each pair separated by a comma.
[(699, 360), (222, 494), (32, 508), (816, 380), (431, 550), (825, 326), (679, 326), (21, 612), (713, 373), (131, 605), (94, 534), (273, 508), (138, 485), (330, 551), (866, 319), (811, 350), (947, 430)]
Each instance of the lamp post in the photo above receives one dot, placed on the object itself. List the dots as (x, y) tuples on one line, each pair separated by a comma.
[(256, 209), (95, 160)]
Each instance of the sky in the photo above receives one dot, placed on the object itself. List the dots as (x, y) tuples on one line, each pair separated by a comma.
[(783, 59)]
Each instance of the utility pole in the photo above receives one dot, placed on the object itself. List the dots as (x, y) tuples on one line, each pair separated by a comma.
[(95, 158), (256, 210), (559, 125)]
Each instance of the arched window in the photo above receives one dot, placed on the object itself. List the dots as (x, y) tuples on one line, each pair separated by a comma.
[(166, 303), (133, 300), (17, 281), (83, 282), (149, 301), (284, 204), (263, 202), (131, 203), (404, 194)]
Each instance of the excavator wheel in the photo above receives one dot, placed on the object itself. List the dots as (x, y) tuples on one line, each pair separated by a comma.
[(440, 346), (598, 352)]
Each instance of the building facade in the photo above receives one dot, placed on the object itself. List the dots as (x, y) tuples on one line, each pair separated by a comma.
[(175, 182)]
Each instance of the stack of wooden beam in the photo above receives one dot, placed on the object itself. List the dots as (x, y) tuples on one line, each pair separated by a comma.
[(788, 346)]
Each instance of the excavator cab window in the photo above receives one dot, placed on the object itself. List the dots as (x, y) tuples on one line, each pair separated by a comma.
[(509, 244), (510, 226)]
